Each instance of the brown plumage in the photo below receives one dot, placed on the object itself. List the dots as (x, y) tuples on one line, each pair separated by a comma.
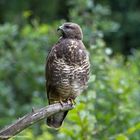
[(67, 69)]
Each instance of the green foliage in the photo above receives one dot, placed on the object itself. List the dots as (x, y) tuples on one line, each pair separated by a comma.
[(107, 110), (23, 53)]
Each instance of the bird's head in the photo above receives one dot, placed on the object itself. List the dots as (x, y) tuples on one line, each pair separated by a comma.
[(71, 30)]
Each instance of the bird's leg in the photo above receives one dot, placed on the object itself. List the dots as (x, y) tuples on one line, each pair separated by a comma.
[(61, 102), (71, 100)]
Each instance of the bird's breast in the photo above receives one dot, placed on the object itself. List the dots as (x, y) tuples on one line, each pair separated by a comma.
[(69, 68)]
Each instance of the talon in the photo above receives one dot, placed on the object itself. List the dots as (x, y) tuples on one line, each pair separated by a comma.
[(71, 100), (74, 102), (61, 102)]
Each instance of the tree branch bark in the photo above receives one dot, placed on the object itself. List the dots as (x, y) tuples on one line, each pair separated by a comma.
[(32, 118)]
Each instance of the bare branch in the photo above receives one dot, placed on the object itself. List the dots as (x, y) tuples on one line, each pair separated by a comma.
[(32, 118)]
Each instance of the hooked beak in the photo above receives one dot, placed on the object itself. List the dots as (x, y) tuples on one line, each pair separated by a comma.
[(60, 28)]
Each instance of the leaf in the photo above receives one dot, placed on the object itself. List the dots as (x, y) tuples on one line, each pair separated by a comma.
[(121, 137)]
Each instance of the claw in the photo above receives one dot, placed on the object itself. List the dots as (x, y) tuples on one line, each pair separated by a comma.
[(74, 102), (61, 102), (71, 100)]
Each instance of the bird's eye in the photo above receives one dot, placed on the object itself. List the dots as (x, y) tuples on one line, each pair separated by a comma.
[(67, 26)]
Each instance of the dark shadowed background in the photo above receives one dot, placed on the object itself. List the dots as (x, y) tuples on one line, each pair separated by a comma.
[(109, 108)]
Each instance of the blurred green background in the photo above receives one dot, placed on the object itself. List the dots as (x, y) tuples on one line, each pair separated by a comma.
[(110, 108)]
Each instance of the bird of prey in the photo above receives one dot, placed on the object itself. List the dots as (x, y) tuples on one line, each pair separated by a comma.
[(67, 69)]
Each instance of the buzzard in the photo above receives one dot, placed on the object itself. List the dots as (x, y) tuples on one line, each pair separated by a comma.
[(67, 69)]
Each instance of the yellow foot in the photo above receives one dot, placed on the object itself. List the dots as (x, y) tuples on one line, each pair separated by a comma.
[(61, 102), (71, 100)]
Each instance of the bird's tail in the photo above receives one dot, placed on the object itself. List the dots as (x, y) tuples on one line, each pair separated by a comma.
[(57, 119)]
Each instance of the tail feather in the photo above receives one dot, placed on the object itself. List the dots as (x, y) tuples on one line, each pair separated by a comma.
[(56, 120)]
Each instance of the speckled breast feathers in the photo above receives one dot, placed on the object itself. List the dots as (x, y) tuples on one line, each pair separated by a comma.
[(68, 68)]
